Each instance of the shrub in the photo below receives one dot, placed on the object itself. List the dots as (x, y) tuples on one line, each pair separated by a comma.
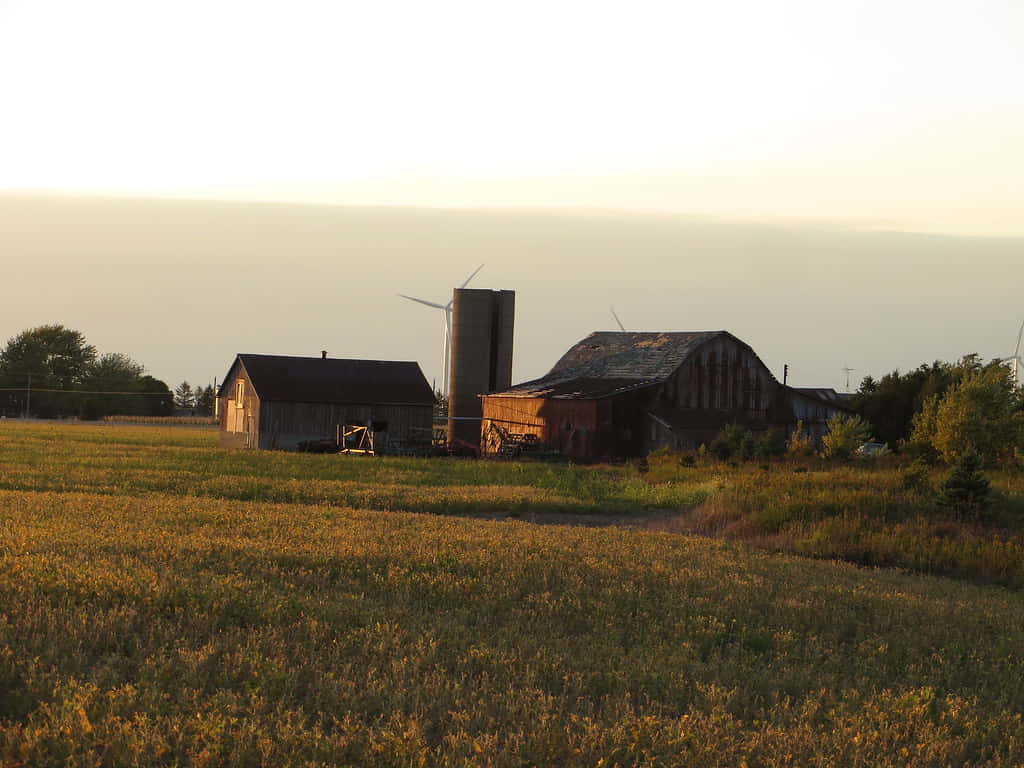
[(917, 477), (979, 414), (748, 446), (966, 489), (771, 445), (800, 444), (729, 442), (845, 435)]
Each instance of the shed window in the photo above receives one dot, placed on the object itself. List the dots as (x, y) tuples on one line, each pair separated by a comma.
[(240, 393)]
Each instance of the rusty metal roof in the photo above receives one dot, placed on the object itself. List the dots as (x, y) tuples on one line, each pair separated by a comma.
[(332, 380), (608, 362)]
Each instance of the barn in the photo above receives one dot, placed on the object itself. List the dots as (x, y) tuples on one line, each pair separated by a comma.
[(282, 402), (622, 394)]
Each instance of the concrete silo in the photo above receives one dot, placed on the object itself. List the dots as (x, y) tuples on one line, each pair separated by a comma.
[(481, 355)]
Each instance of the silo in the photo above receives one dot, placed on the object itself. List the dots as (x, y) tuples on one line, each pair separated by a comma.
[(481, 355)]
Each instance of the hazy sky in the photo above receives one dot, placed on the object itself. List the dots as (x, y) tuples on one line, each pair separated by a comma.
[(904, 114), (182, 286)]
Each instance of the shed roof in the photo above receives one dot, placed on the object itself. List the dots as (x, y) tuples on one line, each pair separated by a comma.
[(330, 380), (825, 395), (608, 362)]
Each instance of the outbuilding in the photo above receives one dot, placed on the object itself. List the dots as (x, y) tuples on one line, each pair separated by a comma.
[(287, 403), (621, 394)]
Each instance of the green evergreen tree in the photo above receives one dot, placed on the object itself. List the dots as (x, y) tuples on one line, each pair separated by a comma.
[(966, 489), (184, 397)]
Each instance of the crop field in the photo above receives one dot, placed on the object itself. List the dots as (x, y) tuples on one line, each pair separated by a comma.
[(163, 602)]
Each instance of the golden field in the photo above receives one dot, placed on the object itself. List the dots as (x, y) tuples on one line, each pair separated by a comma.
[(163, 602)]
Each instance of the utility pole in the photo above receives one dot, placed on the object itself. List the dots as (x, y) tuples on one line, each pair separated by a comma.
[(28, 397), (785, 373)]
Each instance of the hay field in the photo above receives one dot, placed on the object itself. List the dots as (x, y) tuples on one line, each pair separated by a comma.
[(166, 603)]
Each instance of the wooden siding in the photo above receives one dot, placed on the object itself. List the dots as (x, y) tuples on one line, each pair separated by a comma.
[(723, 382), (567, 426), (239, 424), (284, 425), (813, 413)]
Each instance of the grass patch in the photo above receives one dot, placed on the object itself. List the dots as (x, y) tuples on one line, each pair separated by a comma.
[(176, 604)]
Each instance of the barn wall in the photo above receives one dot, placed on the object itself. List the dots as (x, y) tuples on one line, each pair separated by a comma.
[(813, 413), (567, 426), (239, 420), (284, 425), (723, 382)]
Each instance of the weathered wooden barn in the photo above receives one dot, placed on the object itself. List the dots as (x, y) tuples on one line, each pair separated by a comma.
[(280, 402), (621, 394)]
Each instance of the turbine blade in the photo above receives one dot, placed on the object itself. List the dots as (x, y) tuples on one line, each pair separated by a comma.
[(471, 276), (621, 326), (423, 301), (1020, 333)]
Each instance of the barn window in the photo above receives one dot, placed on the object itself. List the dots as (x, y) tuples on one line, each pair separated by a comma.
[(240, 393)]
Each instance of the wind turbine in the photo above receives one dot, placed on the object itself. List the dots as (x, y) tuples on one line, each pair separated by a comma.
[(621, 326), (446, 339), (847, 370), (1016, 357)]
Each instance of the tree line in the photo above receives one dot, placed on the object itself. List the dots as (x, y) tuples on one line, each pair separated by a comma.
[(51, 371), (945, 410)]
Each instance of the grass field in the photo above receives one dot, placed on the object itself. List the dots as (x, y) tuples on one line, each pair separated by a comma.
[(163, 602)]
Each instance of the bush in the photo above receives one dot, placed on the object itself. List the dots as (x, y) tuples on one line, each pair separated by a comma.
[(771, 445), (800, 444), (979, 414), (748, 446), (845, 435), (729, 442), (917, 477), (966, 489)]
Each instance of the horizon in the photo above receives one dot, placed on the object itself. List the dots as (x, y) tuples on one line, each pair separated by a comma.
[(131, 266)]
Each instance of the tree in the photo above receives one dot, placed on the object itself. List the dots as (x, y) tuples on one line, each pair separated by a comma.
[(184, 397), (981, 413), (966, 489), (112, 381), (48, 357), (157, 399), (845, 435), (204, 400), (891, 402)]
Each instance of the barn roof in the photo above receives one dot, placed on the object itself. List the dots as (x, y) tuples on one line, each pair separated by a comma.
[(609, 362), (332, 380), (826, 395)]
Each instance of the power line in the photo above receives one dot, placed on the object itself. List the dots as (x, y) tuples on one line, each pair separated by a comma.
[(86, 391)]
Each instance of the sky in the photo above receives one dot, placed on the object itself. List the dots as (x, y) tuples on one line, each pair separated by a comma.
[(183, 286), (905, 114), (839, 184)]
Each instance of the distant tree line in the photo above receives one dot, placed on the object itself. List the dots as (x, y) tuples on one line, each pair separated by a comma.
[(51, 371), (946, 410), (197, 401)]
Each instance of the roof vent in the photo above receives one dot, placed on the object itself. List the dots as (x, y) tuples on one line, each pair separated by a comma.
[(323, 354)]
